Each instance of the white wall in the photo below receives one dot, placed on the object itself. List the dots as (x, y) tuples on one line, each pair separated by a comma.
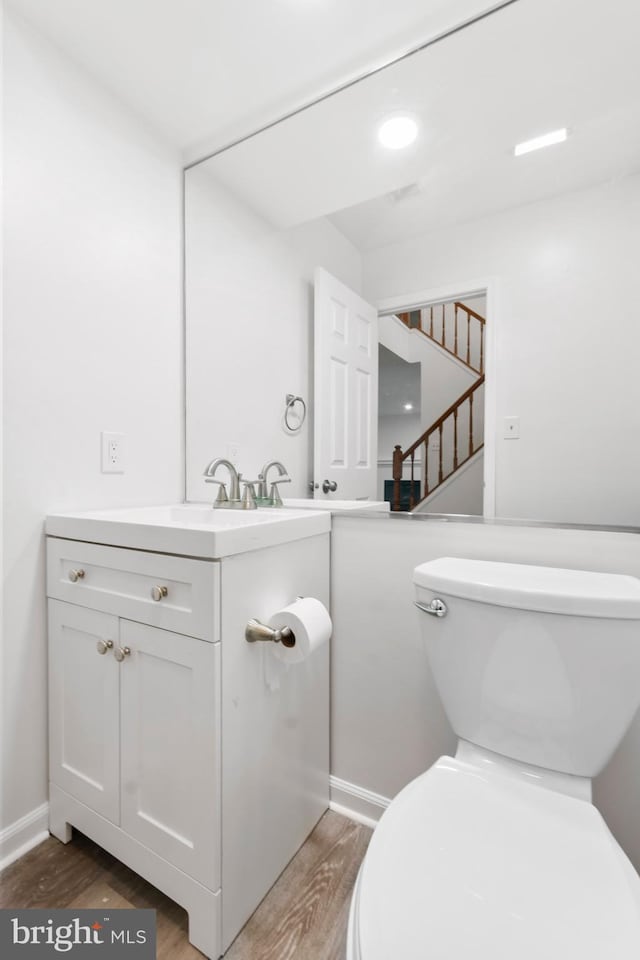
[(92, 342), (250, 331), (388, 724), (461, 493), (567, 348)]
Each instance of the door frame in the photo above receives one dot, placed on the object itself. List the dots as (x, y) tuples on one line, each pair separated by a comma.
[(489, 287)]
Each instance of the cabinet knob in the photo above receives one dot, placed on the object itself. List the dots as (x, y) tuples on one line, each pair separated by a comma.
[(157, 593), (103, 645), (75, 575), (121, 653)]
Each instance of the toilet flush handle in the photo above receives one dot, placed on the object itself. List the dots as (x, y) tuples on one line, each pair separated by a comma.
[(437, 607)]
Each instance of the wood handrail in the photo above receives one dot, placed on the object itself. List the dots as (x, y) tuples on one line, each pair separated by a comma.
[(461, 345), (462, 306), (440, 421), (437, 426)]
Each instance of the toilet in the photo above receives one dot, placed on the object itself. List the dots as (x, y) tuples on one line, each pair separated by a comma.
[(498, 853)]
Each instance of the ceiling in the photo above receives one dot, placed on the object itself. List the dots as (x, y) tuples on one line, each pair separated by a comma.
[(532, 67), (206, 71)]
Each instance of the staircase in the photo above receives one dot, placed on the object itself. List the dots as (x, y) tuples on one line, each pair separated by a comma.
[(456, 435)]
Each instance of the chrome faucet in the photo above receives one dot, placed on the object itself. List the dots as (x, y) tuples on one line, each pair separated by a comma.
[(232, 501), (272, 498)]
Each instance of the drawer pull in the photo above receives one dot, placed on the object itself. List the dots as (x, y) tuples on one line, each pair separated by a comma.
[(121, 653), (75, 575), (103, 645), (157, 593)]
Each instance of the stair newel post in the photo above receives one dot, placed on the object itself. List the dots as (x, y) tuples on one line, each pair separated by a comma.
[(455, 439), (455, 337), (412, 501), (426, 467), (440, 474), (397, 476), (470, 424)]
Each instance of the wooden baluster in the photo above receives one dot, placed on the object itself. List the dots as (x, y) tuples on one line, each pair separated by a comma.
[(443, 326), (431, 322), (469, 339), (455, 340), (397, 476), (411, 500), (440, 455), (481, 347), (426, 467), (471, 425), (455, 439)]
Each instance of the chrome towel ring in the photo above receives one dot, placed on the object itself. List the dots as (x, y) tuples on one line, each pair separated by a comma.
[(290, 403)]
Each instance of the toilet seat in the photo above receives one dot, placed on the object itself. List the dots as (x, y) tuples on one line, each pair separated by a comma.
[(475, 862)]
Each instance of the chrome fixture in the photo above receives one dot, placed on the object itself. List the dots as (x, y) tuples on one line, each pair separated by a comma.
[(103, 645), (121, 653), (75, 575), (290, 404), (437, 607), (272, 498), (255, 631), (232, 500), (157, 593), (329, 486)]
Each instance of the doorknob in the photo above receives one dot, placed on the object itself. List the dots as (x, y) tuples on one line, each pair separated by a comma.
[(329, 486)]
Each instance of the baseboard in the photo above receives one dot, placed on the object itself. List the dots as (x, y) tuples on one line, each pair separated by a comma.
[(355, 802), (21, 836)]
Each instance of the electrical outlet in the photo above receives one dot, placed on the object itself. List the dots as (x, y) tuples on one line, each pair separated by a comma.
[(112, 452)]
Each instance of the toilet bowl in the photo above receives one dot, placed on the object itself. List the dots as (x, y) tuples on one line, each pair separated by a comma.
[(498, 853)]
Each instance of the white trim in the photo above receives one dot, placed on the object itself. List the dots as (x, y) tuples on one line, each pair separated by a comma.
[(355, 802), (490, 287), (23, 835)]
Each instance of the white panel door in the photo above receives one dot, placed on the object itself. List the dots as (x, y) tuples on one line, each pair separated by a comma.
[(170, 760), (84, 706), (345, 392)]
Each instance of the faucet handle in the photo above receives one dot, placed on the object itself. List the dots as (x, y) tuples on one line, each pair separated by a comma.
[(274, 493), (222, 497), (249, 495)]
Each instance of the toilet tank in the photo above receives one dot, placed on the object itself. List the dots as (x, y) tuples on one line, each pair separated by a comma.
[(535, 663)]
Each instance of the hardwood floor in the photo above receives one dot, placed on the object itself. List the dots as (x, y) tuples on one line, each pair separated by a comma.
[(304, 915)]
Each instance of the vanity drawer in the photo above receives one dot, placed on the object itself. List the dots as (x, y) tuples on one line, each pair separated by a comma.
[(127, 583)]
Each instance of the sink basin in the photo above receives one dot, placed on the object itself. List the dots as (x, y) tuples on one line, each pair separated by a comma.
[(310, 504), (191, 529)]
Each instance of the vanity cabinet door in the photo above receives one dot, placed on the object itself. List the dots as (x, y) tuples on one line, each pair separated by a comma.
[(169, 747), (84, 706)]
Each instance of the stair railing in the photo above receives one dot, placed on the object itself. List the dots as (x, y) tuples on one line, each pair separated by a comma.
[(461, 335), (437, 427)]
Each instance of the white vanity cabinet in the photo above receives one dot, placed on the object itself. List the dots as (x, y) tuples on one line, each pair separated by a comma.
[(192, 756), (136, 740)]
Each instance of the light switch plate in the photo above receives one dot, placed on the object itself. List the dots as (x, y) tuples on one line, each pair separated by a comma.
[(511, 428)]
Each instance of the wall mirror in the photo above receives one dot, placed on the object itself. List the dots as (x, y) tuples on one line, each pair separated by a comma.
[(542, 246)]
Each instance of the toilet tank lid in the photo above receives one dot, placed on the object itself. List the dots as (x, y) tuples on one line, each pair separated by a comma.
[(582, 593)]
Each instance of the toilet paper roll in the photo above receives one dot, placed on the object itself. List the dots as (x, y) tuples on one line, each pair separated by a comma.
[(309, 621)]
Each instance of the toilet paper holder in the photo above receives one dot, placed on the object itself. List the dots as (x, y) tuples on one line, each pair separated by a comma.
[(256, 631)]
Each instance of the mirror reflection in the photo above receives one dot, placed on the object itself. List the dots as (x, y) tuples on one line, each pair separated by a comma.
[(467, 219)]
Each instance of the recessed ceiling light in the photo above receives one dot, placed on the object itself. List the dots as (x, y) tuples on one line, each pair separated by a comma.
[(546, 140), (408, 406), (397, 132)]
